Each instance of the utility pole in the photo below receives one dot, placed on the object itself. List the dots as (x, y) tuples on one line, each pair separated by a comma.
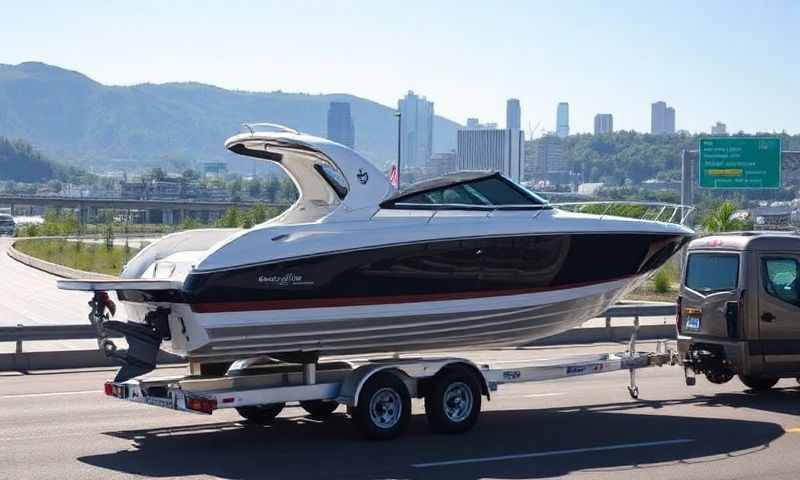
[(399, 116), (688, 160)]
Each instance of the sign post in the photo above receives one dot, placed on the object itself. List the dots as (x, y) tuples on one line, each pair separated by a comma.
[(739, 162)]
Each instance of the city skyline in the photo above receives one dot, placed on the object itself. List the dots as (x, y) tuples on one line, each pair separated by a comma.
[(189, 42)]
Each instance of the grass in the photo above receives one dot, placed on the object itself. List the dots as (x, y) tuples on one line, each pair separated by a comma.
[(90, 257), (661, 287)]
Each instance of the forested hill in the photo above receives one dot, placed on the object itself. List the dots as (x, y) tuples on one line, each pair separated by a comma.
[(636, 156), (72, 118), (19, 162)]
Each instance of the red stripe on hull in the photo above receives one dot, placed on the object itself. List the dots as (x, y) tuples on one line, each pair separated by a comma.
[(363, 301)]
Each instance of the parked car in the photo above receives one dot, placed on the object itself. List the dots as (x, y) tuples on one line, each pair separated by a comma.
[(739, 308), (7, 224)]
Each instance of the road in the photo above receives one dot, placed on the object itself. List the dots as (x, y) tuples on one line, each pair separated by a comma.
[(59, 425), (30, 297)]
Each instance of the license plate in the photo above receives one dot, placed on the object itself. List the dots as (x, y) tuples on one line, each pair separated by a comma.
[(693, 323)]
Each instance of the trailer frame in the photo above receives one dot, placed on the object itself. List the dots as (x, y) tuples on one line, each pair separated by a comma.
[(264, 385)]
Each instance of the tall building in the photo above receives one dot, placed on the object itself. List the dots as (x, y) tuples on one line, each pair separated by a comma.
[(492, 149), (719, 129), (547, 157), (669, 121), (662, 119), (562, 120), (603, 123), (416, 130), (340, 124), (513, 114)]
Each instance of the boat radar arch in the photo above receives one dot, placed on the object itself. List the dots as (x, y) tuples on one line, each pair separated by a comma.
[(333, 181)]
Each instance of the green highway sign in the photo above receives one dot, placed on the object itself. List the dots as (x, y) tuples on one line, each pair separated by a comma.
[(740, 162)]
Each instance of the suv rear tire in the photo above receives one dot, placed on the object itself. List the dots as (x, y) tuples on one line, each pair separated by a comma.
[(758, 383)]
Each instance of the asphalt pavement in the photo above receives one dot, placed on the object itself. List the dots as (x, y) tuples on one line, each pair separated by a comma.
[(29, 296), (60, 425)]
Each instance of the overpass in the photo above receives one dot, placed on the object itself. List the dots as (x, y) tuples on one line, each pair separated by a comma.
[(172, 209)]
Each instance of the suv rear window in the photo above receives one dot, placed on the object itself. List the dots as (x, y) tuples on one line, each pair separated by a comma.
[(712, 272)]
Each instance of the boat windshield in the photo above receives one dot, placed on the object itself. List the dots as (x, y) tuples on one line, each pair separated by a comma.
[(487, 192)]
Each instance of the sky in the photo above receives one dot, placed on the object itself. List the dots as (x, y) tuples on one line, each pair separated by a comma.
[(730, 61)]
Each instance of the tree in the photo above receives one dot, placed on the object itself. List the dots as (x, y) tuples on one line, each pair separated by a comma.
[(721, 219), (230, 219), (255, 188), (157, 174)]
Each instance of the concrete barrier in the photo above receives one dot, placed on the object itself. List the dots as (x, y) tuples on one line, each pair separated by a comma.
[(52, 268)]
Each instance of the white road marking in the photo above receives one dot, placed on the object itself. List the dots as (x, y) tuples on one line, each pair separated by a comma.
[(553, 452), (538, 395), (50, 394)]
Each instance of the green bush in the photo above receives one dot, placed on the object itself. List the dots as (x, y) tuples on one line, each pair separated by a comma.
[(661, 281)]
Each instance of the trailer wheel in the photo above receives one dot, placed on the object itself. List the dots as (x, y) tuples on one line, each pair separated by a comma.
[(453, 401), (758, 383), (319, 408), (384, 407), (261, 414)]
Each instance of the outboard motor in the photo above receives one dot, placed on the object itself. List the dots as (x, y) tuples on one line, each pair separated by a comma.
[(143, 340)]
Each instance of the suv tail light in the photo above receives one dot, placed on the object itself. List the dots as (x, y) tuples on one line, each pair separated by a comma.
[(679, 314)]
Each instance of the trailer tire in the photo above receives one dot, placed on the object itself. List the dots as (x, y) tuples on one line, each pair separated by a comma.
[(758, 383), (261, 414), (453, 401), (384, 407), (319, 408)]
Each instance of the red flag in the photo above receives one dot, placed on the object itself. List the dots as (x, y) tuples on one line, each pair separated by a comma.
[(393, 177)]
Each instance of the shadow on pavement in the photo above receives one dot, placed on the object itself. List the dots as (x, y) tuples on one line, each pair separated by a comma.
[(298, 447)]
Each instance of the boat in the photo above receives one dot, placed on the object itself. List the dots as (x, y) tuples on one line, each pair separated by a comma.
[(463, 261)]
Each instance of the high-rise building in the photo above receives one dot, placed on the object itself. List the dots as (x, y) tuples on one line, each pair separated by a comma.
[(719, 129), (416, 130), (662, 119), (669, 120), (562, 120), (603, 123), (340, 124), (547, 157), (492, 149), (513, 114)]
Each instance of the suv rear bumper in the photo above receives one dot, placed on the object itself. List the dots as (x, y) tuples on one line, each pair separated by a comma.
[(733, 352)]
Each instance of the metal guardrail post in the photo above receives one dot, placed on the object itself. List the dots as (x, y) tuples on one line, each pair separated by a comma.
[(19, 339)]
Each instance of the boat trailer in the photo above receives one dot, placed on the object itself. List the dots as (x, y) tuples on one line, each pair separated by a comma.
[(376, 392)]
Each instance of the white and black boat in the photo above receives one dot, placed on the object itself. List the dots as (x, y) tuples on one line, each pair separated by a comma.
[(467, 260)]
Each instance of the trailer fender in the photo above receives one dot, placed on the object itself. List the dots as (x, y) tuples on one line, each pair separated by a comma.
[(409, 371)]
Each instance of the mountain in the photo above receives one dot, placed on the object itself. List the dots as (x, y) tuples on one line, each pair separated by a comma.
[(74, 119)]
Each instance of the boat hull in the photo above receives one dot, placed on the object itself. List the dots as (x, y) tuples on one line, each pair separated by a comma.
[(493, 321)]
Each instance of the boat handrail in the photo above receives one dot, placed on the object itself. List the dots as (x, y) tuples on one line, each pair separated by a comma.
[(670, 211), (469, 206), (252, 128)]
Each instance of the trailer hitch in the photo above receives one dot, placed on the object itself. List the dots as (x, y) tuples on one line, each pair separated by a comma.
[(143, 340)]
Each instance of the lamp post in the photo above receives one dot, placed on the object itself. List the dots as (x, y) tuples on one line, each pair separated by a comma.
[(399, 116)]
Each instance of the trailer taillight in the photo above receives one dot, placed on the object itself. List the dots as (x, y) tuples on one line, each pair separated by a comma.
[(114, 390), (204, 405), (679, 314)]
